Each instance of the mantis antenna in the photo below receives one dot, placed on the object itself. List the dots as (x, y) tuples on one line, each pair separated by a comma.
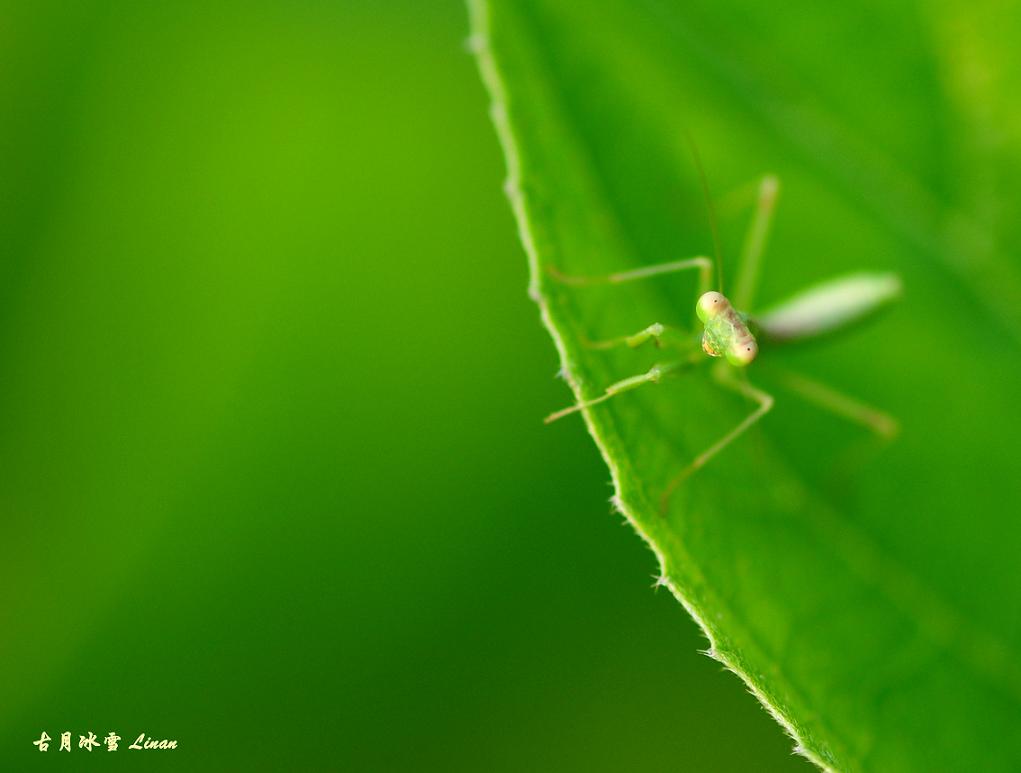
[(710, 210)]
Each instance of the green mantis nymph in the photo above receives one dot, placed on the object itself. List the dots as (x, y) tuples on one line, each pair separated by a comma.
[(734, 336)]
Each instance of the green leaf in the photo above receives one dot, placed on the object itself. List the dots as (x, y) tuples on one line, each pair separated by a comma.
[(867, 594)]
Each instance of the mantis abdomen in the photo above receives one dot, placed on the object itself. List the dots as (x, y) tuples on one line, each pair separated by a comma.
[(828, 307)]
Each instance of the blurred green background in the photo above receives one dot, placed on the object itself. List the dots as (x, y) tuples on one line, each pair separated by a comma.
[(274, 481)]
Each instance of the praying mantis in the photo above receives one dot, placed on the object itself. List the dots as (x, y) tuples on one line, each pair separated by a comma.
[(733, 336)]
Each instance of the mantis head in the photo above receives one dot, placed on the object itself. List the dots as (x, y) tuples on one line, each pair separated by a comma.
[(726, 332)]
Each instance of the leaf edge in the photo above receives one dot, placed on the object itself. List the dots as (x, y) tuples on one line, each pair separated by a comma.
[(478, 43)]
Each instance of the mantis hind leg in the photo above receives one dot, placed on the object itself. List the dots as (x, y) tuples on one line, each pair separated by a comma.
[(826, 397), (847, 463), (725, 377), (755, 243)]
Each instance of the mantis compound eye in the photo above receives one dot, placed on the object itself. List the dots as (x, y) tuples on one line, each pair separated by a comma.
[(741, 353), (711, 304)]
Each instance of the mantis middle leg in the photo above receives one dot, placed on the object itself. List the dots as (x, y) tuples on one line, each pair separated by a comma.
[(726, 377)]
